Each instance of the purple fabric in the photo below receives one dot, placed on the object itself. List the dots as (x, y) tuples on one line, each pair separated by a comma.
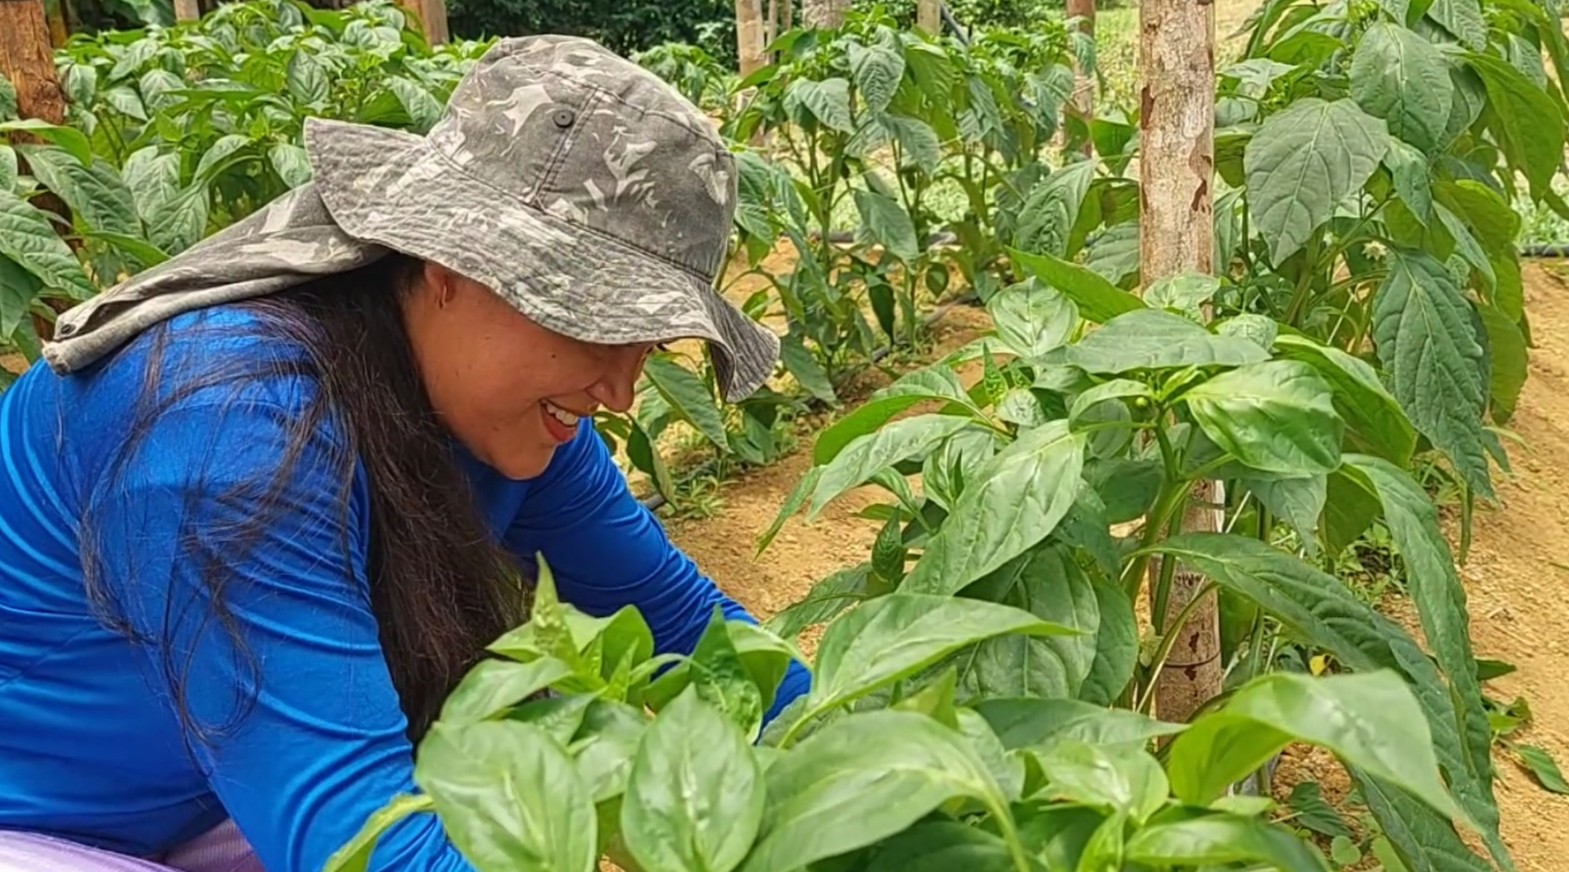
[(221, 849)]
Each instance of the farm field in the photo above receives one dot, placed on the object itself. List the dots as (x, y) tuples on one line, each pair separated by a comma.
[(1114, 544)]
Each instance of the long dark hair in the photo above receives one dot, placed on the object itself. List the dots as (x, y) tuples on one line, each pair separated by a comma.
[(441, 587)]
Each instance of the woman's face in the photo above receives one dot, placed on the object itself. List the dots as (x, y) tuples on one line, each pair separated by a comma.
[(510, 390)]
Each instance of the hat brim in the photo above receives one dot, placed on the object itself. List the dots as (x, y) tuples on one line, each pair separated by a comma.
[(395, 189)]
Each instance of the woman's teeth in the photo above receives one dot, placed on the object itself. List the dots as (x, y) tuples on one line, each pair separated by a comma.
[(561, 414)]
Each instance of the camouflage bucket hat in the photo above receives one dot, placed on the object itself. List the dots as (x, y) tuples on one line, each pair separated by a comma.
[(578, 186)]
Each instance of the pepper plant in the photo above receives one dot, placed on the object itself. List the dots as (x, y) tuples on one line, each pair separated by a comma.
[(1054, 482), (576, 742), (1367, 155)]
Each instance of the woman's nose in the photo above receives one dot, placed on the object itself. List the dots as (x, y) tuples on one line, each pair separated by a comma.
[(618, 388)]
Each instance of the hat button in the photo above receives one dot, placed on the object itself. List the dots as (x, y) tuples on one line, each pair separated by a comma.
[(563, 117)]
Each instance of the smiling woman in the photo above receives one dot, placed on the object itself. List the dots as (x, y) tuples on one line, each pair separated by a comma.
[(270, 501)]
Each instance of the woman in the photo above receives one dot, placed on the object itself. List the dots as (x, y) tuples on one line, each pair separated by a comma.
[(270, 499)]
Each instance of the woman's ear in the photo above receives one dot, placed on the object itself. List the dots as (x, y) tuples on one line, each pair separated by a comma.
[(439, 283)]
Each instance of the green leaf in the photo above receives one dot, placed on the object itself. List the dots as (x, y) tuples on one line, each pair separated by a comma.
[(605, 746), (919, 141), (828, 101), (493, 686), (1428, 347), (1303, 162), (509, 797), (694, 799), (94, 192), (1543, 768), (9, 169), (179, 222), (74, 141), (1032, 319), (1370, 721), (942, 846), (307, 78), (28, 239), (1274, 416), (1508, 364), (219, 156), (877, 71), (1049, 584), (1439, 596), (688, 397), (1402, 78), (905, 439), (1321, 611), (1049, 213), (1298, 501), (127, 102), (860, 780), (1024, 722), (424, 110), (826, 599), (1425, 841), (722, 680), (8, 103), (1530, 126), (1222, 839), (1312, 812), (1409, 170), (806, 369), (1463, 19), (923, 385), (154, 179), (1120, 779), (895, 636), (1155, 339), (18, 288), (1186, 294), (356, 854), (1011, 503), (886, 223), (1261, 330), (290, 162), (1367, 407), (1098, 300)]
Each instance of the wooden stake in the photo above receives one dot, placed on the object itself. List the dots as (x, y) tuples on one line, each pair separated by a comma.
[(1081, 106), (928, 16), (749, 36), (1177, 234), (187, 10)]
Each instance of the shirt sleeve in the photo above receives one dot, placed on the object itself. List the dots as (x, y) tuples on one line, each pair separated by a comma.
[(323, 744), (607, 550)]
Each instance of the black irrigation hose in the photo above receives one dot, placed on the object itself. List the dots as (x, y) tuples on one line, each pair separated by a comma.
[(953, 24), (656, 500), (1556, 249)]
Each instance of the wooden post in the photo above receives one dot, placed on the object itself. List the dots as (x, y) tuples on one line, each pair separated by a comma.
[(187, 10), (928, 16), (823, 14), (27, 60), (1081, 105), (432, 17), (749, 36), (1176, 234)]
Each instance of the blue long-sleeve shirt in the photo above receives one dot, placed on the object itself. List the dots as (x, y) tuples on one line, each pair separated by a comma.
[(91, 746)]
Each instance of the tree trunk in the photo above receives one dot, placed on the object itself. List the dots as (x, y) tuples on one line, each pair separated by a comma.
[(432, 16), (928, 16), (749, 36), (786, 15), (27, 60), (1081, 106), (823, 14), (1176, 234), (187, 10)]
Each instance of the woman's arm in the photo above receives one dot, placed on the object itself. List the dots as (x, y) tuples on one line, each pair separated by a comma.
[(607, 550), (322, 745)]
